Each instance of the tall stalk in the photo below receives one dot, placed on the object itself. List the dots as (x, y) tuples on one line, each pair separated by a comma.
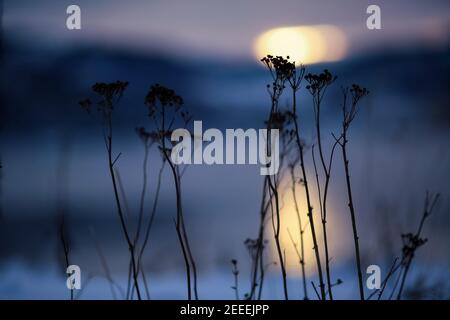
[(353, 216), (147, 138), (280, 121), (111, 94), (147, 141), (111, 163), (150, 224), (348, 116), (256, 248), (179, 225), (412, 242), (294, 82), (300, 228), (317, 86), (277, 227), (280, 70), (324, 213), (165, 107)]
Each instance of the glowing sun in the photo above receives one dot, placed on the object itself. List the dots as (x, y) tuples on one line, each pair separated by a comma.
[(303, 44)]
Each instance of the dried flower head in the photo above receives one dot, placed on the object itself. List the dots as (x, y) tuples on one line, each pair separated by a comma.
[(110, 94), (318, 82), (358, 92), (279, 67), (235, 270), (167, 111), (110, 90), (163, 96), (164, 103), (281, 71)]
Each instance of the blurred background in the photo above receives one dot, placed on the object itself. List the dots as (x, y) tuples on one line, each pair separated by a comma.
[(53, 156)]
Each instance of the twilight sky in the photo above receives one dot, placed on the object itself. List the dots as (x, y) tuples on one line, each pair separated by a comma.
[(223, 28)]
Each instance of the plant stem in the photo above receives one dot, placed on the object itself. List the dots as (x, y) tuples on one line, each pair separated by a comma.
[(274, 192), (150, 222), (427, 210), (277, 238), (143, 191), (324, 224), (301, 232), (178, 227), (188, 247), (308, 199), (317, 99), (257, 262), (119, 209), (352, 212)]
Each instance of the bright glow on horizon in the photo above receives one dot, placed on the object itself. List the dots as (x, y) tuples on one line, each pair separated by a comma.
[(303, 44), (290, 231), (290, 228)]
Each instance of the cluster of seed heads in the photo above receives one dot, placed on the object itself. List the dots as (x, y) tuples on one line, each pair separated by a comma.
[(110, 94), (282, 67), (317, 82), (163, 95), (358, 92), (110, 90), (160, 97)]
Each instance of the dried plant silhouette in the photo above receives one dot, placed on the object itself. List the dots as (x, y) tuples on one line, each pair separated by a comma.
[(295, 82), (110, 95), (256, 248), (148, 139), (411, 242), (280, 70), (167, 113), (301, 228), (357, 93), (235, 272), (166, 110), (317, 86)]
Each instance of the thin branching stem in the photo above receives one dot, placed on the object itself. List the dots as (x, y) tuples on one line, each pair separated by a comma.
[(301, 254), (416, 241), (307, 193), (348, 116), (120, 213), (257, 260)]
